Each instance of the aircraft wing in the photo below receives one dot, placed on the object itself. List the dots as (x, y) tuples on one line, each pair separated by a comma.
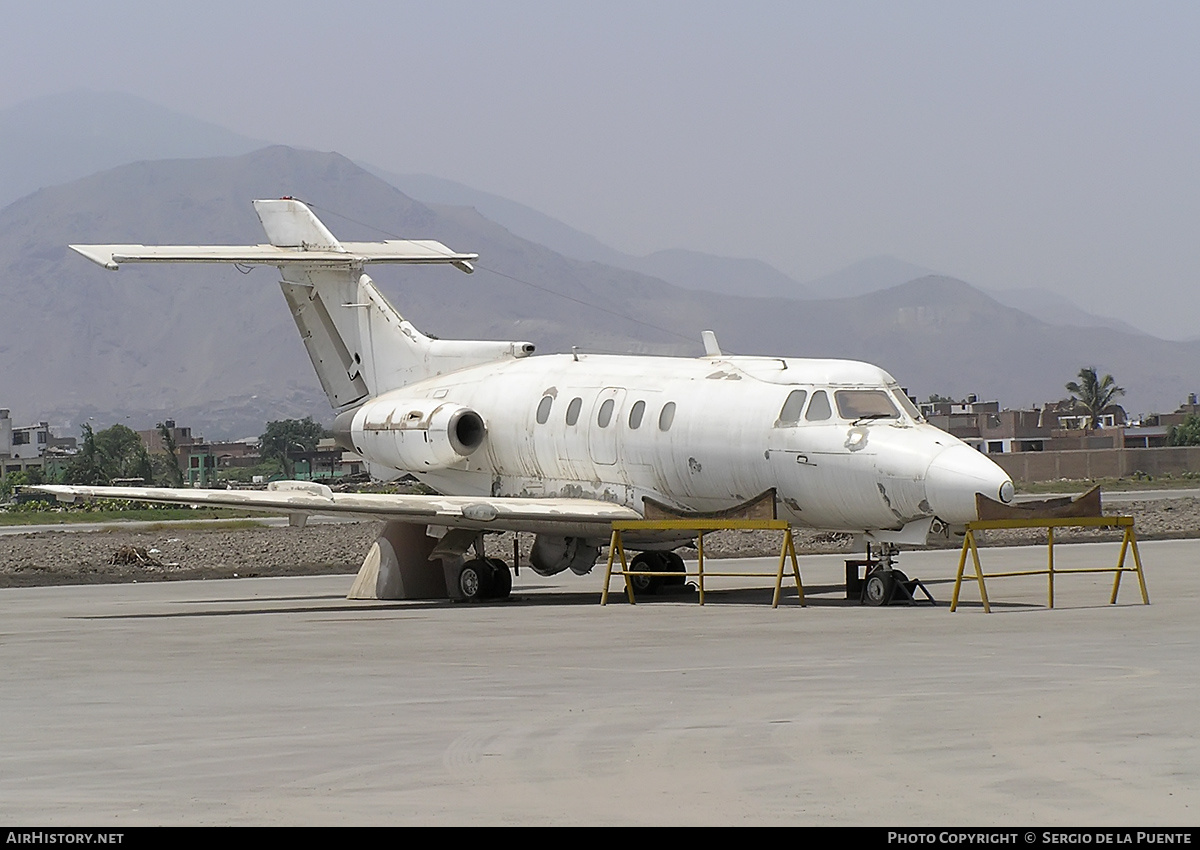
[(569, 517)]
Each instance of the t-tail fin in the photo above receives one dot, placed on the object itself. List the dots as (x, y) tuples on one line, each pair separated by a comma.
[(360, 346), (290, 224)]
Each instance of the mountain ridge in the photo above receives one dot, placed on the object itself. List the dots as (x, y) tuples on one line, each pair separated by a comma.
[(78, 340), (48, 140)]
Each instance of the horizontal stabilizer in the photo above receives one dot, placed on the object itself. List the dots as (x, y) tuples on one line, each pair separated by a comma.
[(350, 255), (298, 238)]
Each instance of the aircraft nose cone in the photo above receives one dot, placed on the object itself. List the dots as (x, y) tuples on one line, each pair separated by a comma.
[(954, 477)]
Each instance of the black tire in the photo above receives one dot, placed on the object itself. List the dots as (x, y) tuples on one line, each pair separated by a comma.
[(501, 578), (878, 588), (475, 580), (645, 585), (673, 562)]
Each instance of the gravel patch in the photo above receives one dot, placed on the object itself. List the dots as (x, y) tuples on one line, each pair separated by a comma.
[(61, 557)]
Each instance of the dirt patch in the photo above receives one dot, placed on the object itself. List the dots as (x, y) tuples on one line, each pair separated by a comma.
[(82, 557)]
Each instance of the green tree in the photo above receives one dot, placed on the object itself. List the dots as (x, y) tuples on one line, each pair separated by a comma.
[(285, 438), (116, 452), (9, 483), (1187, 433), (1093, 393)]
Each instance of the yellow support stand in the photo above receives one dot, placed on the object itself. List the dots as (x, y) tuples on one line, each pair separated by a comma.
[(1128, 542), (616, 550)]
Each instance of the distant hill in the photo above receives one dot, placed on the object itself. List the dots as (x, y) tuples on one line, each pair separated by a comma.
[(687, 269), (151, 340), (218, 350), (941, 335), (61, 137), (870, 275), (1057, 310), (57, 138), (724, 275), (876, 274), (518, 218)]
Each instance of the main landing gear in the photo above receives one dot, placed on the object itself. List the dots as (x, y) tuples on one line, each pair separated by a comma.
[(652, 561), (484, 578)]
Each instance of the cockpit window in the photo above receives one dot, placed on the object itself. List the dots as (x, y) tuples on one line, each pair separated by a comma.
[(790, 414), (906, 404), (865, 404), (818, 408)]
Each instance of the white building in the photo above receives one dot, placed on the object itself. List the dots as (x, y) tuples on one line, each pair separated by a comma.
[(24, 446)]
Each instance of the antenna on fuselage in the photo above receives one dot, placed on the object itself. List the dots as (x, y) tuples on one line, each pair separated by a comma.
[(711, 348)]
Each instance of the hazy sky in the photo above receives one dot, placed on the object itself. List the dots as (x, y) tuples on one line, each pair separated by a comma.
[(1047, 144)]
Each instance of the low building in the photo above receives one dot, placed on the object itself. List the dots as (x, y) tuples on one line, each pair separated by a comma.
[(24, 447), (983, 425), (1191, 408), (328, 461), (1057, 426), (203, 460), (1068, 415), (182, 437)]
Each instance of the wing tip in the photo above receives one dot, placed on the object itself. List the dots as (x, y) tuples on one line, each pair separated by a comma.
[(101, 255)]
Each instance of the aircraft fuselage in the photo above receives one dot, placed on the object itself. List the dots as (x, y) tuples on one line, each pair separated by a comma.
[(700, 435)]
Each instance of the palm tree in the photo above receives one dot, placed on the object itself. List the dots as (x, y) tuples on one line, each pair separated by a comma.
[(1094, 394)]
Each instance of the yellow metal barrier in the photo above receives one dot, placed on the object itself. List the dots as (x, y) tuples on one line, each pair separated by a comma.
[(617, 550), (1128, 542)]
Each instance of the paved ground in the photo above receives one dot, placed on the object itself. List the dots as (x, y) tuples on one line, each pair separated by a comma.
[(276, 701)]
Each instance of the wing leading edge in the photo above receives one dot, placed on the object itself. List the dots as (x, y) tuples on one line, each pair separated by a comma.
[(569, 517)]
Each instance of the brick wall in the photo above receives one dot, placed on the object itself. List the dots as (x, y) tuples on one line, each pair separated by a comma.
[(1099, 463)]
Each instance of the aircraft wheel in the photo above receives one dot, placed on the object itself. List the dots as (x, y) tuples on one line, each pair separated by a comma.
[(475, 580), (878, 590), (645, 562), (673, 562), (501, 578)]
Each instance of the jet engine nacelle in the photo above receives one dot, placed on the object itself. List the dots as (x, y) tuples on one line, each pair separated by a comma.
[(413, 434), (552, 555)]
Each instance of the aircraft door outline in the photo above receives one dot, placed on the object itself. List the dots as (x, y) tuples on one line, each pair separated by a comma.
[(604, 425)]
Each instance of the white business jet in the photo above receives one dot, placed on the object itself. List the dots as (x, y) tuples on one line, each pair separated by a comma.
[(563, 445)]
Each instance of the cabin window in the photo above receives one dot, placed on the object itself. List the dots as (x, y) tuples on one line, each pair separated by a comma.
[(543, 411), (790, 414), (818, 408), (636, 413), (865, 404), (605, 414), (573, 410), (667, 416)]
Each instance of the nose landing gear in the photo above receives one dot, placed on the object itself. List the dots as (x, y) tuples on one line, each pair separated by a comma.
[(883, 582)]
